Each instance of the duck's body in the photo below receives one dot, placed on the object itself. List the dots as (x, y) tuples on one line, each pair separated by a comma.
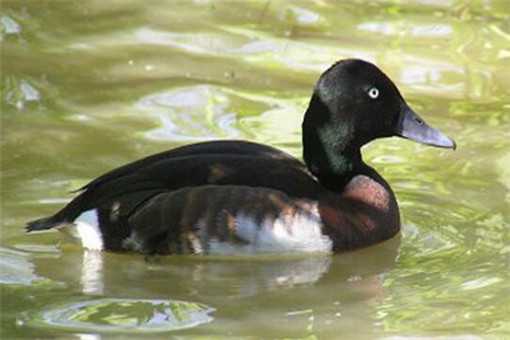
[(241, 197), (219, 219)]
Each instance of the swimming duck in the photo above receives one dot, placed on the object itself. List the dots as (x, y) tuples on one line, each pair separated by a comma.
[(229, 196)]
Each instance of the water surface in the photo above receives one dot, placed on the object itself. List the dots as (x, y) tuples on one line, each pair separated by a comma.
[(90, 85)]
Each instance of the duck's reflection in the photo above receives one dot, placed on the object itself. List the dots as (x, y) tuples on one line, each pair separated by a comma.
[(89, 336), (91, 277), (285, 295), (131, 275)]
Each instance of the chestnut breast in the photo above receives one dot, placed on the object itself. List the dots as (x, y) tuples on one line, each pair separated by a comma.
[(366, 212)]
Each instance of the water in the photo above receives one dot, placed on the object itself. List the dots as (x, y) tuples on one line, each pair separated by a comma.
[(90, 85)]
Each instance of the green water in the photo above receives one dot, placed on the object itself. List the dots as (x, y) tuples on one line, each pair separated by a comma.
[(90, 85)]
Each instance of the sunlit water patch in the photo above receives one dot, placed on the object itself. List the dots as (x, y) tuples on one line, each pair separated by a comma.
[(190, 114), (20, 93), (210, 112), (9, 25), (252, 47), (16, 269), (124, 315)]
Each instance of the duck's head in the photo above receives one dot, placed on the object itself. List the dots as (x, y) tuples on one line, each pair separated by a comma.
[(353, 103)]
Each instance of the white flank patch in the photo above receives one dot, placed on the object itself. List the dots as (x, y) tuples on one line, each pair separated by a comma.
[(86, 229), (301, 232)]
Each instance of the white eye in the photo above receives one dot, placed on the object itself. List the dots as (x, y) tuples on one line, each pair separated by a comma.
[(373, 93)]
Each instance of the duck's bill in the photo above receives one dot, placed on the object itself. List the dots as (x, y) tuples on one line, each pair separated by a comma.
[(412, 127)]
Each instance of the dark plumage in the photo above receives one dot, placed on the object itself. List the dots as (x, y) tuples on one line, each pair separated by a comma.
[(237, 193)]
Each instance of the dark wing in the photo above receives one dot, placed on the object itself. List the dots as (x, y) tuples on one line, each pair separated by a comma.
[(222, 147), (117, 193)]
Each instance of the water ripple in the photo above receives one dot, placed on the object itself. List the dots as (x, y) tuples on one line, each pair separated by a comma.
[(124, 315)]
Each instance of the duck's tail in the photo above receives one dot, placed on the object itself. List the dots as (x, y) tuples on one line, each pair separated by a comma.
[(44, 223)]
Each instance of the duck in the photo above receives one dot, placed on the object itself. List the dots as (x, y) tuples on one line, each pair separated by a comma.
[(232, 197)]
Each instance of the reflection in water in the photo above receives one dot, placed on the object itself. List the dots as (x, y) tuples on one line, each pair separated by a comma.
[(101, 272), (92, 272), (89, 336), (292, 289), (256, 276)]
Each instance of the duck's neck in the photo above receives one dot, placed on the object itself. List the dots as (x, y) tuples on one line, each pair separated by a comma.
[(359, 208), (329, 147)]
